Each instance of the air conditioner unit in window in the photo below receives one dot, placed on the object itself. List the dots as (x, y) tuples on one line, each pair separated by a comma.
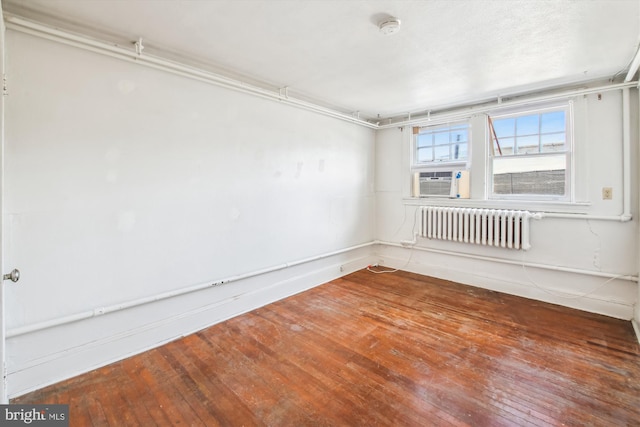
[(454, 184)]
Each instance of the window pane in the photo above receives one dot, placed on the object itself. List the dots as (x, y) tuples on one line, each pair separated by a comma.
[(441, 138), (552, 122), (460, 151), (444, 142), (528, 144), (535, 153), (506, 145), (504, 127), (553, 142), (528, 125), (425, 154), (425, 140), (442, 152), (459, 136), (540, 175)]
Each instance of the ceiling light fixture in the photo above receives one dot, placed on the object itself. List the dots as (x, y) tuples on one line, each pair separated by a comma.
[(389, 26)]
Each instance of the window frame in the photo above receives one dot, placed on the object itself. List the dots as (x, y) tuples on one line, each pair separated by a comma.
[(568, 152)]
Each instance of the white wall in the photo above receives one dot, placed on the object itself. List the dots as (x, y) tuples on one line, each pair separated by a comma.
[(124, 182), (593, 245)]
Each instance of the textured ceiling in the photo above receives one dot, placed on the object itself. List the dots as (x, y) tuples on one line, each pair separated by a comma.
[(447, 52)]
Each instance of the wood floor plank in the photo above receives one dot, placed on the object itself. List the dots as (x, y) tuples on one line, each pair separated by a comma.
[(395, 349), (142, 394)]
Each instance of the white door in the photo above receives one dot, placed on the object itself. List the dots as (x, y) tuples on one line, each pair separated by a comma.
[(3, 365)]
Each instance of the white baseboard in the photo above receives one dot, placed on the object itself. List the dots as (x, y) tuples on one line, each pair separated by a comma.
[(40, 358), (44, 357), (561, 288)]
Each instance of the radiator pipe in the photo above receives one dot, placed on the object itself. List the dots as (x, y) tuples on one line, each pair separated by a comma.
[(626, 277), (17, 23), (166, 295), (135, 56), (633, 68), (626, 155), (625, 215), (453, 112)]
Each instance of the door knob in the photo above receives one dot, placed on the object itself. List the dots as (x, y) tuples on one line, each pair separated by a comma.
[(14, 276)]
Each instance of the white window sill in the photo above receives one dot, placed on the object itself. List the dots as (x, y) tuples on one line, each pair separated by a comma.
[(438, 166), (530, 205)]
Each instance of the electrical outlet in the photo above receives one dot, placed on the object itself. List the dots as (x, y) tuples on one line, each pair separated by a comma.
[(607, 193)]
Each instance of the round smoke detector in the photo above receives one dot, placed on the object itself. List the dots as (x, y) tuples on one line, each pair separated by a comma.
[(389, 26)]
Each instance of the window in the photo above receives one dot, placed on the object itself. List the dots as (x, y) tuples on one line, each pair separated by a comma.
[(441, 144), (530, 154)]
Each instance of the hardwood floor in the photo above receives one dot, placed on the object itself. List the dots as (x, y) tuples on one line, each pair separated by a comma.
[(376, 349)]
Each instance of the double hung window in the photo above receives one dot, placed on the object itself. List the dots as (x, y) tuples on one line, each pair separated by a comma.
[(530, 154)]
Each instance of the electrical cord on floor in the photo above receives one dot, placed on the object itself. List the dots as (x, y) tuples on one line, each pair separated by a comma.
[(369, 269)]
